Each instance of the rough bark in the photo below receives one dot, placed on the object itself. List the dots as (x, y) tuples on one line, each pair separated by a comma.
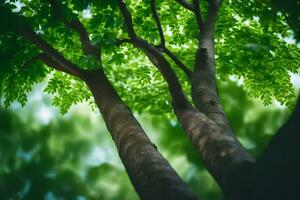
[(150, 173), (203, 82), (221, 152), (234, 165)]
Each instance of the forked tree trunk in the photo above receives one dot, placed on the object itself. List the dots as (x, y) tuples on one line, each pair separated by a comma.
[(234, 171), (151, 175)]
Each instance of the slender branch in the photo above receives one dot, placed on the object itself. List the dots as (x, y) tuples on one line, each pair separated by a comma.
[(25, 30), (182, 66), (198, 14), (157, 58), (213, 9), (67, 65), (128, 19), (123, 40), (163, 43), (76, 25), (88, 47), (158, 24), (52, 63), (186, 4)]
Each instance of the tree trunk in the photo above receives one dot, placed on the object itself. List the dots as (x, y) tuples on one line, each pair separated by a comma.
[(278, 170), (223, 156), (234, 166), (151, 175)]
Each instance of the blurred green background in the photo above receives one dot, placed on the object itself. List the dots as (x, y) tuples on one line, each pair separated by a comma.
[(44, 155)]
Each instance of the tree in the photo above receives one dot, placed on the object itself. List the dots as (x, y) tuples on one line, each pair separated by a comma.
[(98, 43)]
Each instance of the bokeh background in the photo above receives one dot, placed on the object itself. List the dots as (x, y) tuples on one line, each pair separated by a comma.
[(44, 155)]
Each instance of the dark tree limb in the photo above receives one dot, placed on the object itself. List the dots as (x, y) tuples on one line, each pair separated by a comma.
[(75, 24), (204, 87), (162, 44), (222, 153), (88, 47), (55, 65), (156, 57), (56, 56), (178, 62), (197, 12), (123, 40), (128, 19), (186, 4), (158, 24), (23, 29)]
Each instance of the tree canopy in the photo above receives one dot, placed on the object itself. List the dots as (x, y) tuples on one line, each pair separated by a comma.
[(164, 58), (253, 44)]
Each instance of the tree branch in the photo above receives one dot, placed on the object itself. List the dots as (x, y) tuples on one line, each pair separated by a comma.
[(66, 65), (162, 44), (156, 57), (123, 40), (76, 25), (219, 148), (186, 4), (182, 66), (213, 9), (198, 14), (127, 19), (24, 29), (53, 64), (88, 47), (158, 24), (204, 87)]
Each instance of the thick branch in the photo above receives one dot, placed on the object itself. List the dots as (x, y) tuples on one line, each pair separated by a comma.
[(203, 82), (149, 172), (213, 8), (186, 4), (53, 64), (123, 40), (222, 153), (204, 87), (158, 24)]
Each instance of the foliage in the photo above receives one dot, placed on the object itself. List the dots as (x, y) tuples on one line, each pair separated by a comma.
[(250, 45), (59, 159), (72, 157)]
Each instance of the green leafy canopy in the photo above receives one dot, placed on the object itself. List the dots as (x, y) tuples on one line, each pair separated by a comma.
[(251, 44)]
